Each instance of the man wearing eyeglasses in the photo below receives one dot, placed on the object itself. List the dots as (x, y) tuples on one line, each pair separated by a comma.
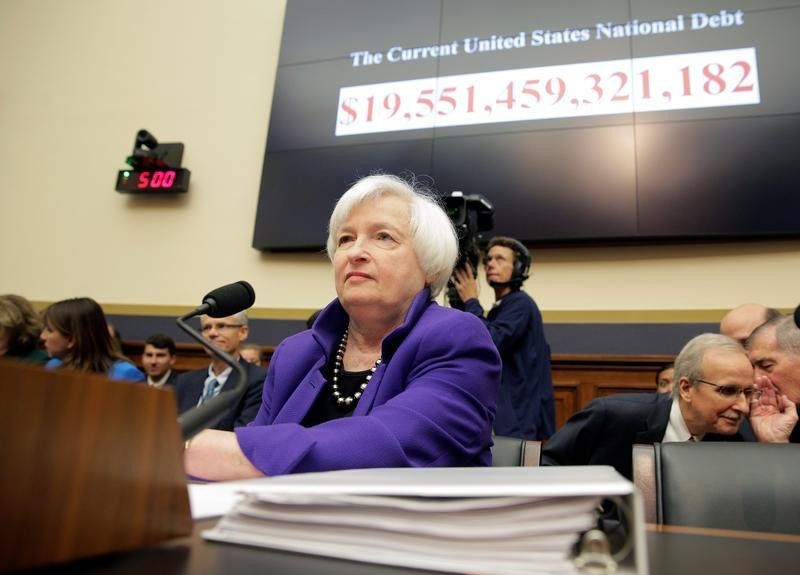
[(774, 349), (198, 386), (714, 387)]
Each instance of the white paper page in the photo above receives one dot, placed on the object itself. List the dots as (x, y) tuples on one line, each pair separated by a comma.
[(545, 556), (454, 481), (542, 516), (215, 499), (208, 500)]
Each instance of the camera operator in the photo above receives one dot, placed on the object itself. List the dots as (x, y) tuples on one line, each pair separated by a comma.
[(525, 401)]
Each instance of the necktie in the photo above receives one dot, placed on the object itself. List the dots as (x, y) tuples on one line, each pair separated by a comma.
[(210, 391)]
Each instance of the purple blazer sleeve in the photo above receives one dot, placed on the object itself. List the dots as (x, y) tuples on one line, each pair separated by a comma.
[(432, 403)]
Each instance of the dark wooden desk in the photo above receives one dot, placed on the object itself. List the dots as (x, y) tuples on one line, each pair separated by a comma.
[(672, 551), (694, 550), (195, 556)]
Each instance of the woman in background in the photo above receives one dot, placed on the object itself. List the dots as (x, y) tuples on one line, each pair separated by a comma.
[(76, 336), (20, 327)]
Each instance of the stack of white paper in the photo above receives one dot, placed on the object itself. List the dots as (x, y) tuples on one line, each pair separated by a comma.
[(470, 520)]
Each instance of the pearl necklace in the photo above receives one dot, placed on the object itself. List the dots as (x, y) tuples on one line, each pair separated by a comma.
[(338, 366)]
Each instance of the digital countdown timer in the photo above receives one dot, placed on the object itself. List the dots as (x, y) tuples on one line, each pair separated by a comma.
[(674, 82), (164, 181)]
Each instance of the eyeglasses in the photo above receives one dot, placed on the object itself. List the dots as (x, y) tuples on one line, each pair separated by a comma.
[(219, 326), (731, 391), (496, 257)]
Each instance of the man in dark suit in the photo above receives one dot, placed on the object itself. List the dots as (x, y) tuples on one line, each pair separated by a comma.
[(158, 358), (196, 387), (714, 385)]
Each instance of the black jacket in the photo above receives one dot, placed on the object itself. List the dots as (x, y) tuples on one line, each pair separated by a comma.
[(189, 388), (604, 432)]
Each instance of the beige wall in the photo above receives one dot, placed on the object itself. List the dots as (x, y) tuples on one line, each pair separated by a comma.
[(78, 78)]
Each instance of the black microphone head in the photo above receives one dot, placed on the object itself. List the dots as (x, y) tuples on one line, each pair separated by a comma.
[(229, 299), (797, 316), (146, 139)]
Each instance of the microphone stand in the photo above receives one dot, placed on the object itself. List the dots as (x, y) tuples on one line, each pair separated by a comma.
[(207, 414)]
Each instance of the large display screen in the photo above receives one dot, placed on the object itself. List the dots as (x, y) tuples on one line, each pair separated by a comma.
[(579, 120)]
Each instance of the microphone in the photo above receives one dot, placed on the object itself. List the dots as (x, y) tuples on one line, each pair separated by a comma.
[(227, 300), (797, 316), (221, 302)]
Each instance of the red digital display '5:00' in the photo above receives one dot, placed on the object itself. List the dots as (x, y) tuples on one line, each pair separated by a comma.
[(168, 180)]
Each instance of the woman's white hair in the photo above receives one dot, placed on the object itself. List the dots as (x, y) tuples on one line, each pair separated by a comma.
[(432, 233)]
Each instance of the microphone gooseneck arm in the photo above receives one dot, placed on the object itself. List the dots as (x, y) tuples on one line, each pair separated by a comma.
[(207, 414), (221, 302)]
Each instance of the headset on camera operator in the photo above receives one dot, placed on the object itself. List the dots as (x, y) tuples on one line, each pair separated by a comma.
[(525, 406)]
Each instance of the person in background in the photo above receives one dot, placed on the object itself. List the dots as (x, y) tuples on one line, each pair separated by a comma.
[(312, 318), (158, 359), (665, 377), (251, 352), (774, 349), (740, 322), (198, 386), (20, 327), (385, 377), (525, 404), (116, 338), (75, 336), (714, 386)]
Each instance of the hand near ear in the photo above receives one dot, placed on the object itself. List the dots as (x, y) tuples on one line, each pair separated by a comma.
[(773, 416)]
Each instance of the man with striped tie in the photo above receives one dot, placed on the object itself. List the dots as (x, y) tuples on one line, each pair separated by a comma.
[(198, 386)]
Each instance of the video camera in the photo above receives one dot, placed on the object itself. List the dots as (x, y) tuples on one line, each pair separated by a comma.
[(470, 215)]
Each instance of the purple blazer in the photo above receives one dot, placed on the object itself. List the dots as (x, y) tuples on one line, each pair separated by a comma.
[(431, 403)]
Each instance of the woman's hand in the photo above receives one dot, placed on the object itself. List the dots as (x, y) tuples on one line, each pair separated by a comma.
[(215, 456)]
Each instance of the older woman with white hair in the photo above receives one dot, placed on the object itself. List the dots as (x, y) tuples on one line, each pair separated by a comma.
[(385, 377)]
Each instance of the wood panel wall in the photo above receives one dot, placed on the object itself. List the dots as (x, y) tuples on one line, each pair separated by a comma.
[(577, 379)]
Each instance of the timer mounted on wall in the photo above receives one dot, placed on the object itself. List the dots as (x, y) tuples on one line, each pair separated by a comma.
[(155, 168)]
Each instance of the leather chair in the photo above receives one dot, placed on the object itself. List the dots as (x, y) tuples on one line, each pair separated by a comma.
[(742, 486), (514, 452)]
